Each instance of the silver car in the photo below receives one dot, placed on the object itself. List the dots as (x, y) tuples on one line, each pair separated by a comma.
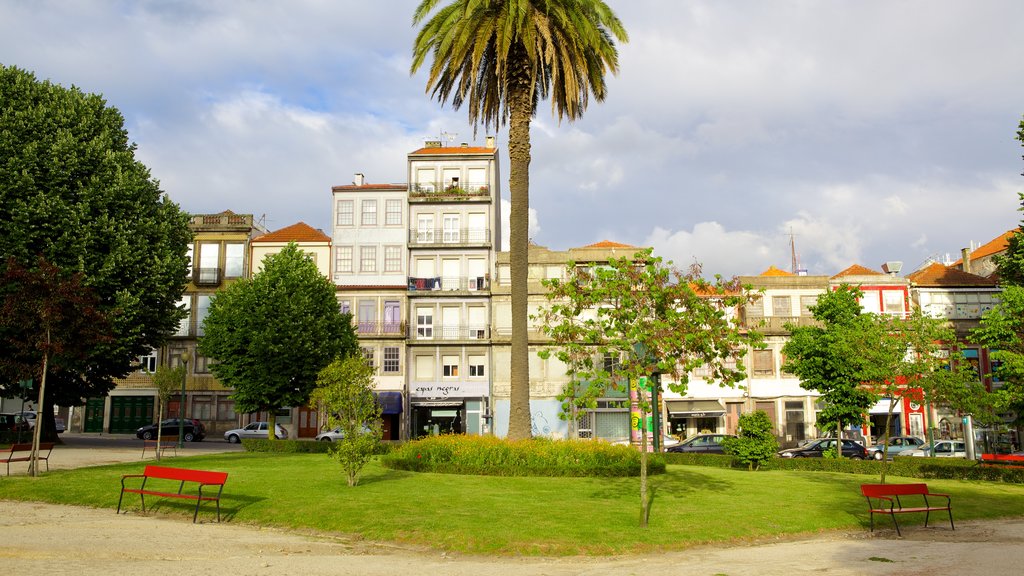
[(254, 430), (943, 449)]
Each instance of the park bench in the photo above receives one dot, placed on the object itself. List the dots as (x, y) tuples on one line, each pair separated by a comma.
[(165, 443), (885, 499), (1009, 460), (203, 478), (23, 453)]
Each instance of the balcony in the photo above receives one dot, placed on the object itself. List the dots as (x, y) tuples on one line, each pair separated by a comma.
[(450, 284), (776, 324), (207, 276), (381, 329), (450, 192), (449, 333), (440, 237)]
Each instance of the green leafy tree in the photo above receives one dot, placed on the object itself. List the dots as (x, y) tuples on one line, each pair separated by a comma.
[(61, 323), (652, 319), (1011, 263), (72, 192), (345, 391), (1002, 331), (166, 380), (502, 57), (270, 335), (836, 358), (755, 442)]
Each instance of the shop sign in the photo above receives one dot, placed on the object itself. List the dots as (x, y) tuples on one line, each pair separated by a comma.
[(448, 389)]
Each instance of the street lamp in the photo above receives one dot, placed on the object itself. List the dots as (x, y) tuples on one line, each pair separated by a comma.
[(185, 357)]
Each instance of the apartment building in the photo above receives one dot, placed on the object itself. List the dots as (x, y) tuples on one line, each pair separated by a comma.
[(220, 254)]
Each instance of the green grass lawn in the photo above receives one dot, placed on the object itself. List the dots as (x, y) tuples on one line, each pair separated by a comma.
[(493, 515)]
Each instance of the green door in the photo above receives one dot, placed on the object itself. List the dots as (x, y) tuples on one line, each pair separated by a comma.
[(127, 413), (94, 415)]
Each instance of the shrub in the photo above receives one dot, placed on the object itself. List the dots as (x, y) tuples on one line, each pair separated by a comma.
[(490, 456), (756, 442)]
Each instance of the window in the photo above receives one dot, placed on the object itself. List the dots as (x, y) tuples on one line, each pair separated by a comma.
[(764, 363), (203, 310), (183, 326), (755, 309), (367, 258), (234, 260), (201, 364), (147, 363), (424, 367), (425, 228), (781, 306), (391, 365), (894, 302), (344, 212), (450, 366), (392, 258), (425, 322), (367, 316), (343, 259), (225, 408), (392, 317), (209, 256), (805, 304), (345, 306), (450, 228), (190, 255), (369, 213), (393, 213), (611, 363), (476, 365), (368, 354)]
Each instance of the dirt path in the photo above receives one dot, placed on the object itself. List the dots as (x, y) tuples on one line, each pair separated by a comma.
[(49, 539)]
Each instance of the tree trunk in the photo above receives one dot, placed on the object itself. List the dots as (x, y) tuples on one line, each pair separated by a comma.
[(272, 424), (885, 446), (33, 463), (521, 111), (645, 509)]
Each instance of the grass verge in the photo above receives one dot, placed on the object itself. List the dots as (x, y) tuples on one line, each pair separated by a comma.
[(514, 515)]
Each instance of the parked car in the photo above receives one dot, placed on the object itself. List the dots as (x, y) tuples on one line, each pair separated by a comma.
[(254, 430), (194, 430), (335, 434), (30, 416), (666, 441), (13, 422), (897, 444), (703, 443), (942, 449), (816, 448)]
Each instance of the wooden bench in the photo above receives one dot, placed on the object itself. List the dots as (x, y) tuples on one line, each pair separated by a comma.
[(165, 443), (203, 478), (1008, 460), (23, 453), (885, 499)]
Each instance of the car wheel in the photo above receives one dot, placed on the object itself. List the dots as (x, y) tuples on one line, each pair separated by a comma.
[(147, 435), (233, 439), (189, 437), (325, 439), (878, 455), (856, 457)]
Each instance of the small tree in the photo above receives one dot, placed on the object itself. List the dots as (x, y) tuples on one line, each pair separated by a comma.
[(1002, 332), (345, 391), (166, 381), (272, 334), (755, 443), (651, 319)]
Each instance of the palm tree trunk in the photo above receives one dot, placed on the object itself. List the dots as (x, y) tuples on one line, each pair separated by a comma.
[(520, 113)]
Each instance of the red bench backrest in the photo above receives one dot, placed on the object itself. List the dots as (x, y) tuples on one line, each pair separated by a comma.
[(203, 476), (876, 490), (1002, 458)]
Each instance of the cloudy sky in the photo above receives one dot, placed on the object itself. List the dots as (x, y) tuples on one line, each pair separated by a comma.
[(868, 130)]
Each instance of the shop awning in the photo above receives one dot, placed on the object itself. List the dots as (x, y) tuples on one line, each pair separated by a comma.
[(437, 403), (390, 402), (882, 406), (695, 408)]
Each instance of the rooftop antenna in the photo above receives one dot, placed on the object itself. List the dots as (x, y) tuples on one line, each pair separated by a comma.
[(449, 136), (794, 263)]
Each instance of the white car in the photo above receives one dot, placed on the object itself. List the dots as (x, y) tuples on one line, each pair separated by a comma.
[(666, 441), (335, 434), (943, 449), (30, 417), (254, 430)]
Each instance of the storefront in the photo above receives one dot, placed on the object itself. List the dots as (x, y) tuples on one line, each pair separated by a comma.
[(448, 408), (690, 417)]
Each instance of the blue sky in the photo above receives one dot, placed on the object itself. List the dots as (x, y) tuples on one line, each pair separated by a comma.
[(872, 130)]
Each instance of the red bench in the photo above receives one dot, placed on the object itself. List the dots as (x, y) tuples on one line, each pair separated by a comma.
[(885, 499), (23, 453), (204, 479)]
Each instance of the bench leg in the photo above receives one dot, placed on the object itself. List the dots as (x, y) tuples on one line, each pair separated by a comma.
[(897, 524), (927, 513), (119, 501), (950, 510)]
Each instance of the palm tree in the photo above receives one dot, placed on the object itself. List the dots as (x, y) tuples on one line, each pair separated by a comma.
[(502, 57)]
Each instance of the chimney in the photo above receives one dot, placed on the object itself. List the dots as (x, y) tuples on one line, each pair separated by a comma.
[(490, 141), (965, 255), (892, 267), (465, 144), (359, 179)]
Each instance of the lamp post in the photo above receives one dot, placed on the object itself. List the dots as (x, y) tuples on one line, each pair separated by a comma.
[(185, 357)]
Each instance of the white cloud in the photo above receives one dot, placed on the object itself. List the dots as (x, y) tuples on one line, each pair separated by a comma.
[(506, 209)]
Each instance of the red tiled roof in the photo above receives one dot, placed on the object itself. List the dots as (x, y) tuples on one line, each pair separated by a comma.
[(936, 274), (354, 187), (299, 232), (453, 150), (608, 244), (773, 271), (858, 270), (994, 246)]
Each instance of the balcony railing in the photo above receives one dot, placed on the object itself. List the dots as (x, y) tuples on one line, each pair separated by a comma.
[(207, 276), (449, 283), (449, 191), (450, 332), (449, 237), (381, 328)]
